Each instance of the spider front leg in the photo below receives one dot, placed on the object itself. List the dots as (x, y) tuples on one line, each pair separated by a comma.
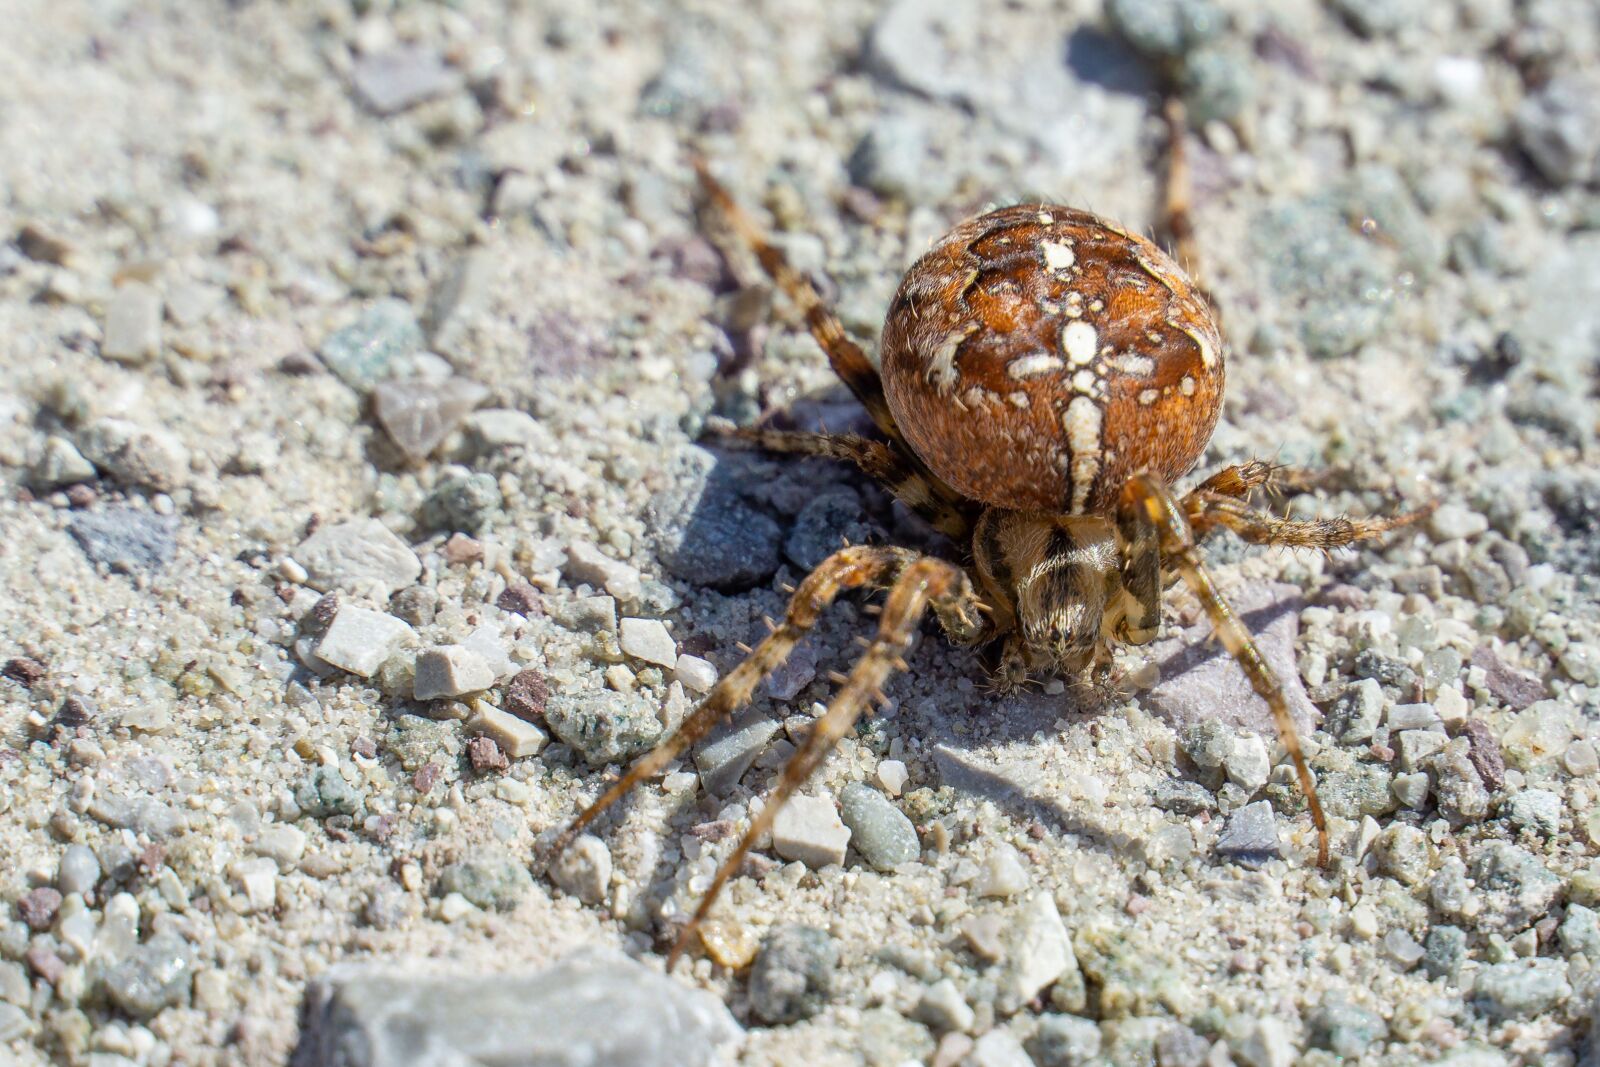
[(847, 569), (928, 582), (1149, 503)]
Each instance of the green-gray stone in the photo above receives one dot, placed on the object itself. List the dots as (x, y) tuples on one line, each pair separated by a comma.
[(492, 883), (324, 792), (363, 353), (880, 832)]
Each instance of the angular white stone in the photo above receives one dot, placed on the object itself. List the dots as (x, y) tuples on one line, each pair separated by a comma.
[(1038, 951), (1247, 763), (648, 639), (516, 737), (809, 829), (450, 671), (696, 674), (358, 556), (358, 640), (891, 776), (586, 563), (133, 324)]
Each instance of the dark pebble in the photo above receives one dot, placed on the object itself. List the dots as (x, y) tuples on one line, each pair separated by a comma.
[(526, 695), (1485, 753), (38, 908), (519, 598), (486, 755), (125, 539), (24, 671), (792, 976), (1512, 688)]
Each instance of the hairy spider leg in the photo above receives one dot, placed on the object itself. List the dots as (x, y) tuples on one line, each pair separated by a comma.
[(881, 462), (846, 569), (1145, 499), (928, 582), (849, 362), (1208, 511)]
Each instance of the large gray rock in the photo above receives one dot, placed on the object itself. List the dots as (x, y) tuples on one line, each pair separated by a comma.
[(590, 1010)]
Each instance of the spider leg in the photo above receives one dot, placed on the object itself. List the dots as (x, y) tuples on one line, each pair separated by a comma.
[(1148, 501), (928, 582), (1243, 479), (849, 362), (846, 569), (1208, 511), (884, 463)]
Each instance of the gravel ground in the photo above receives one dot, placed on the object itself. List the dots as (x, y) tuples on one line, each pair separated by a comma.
[(355, 358)]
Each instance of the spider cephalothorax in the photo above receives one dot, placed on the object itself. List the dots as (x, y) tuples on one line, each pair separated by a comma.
[(1046, 377)]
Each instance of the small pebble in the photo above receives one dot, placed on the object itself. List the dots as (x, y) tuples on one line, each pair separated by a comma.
[(1521, 989), (359, 556), (38, 907), (1411, 790), (79, 870), (891, 776), (124, 539), (486, 756), (418, 415), (792, 977), (1403, 853), (324, 793), (358, 640), (392, 81), (1580, 932), (731, 749), (1538, 810), (1003, 874), (511, 736), (1444, 950), (1415, 747), (155, 975), (1064, 1041), (1179, 1046), (584, 869), (1038, 952), (59, 463), (526, 695), (1514, 888), (1266, 1044), (490, 882), (808, 829), (942, 1007), (604, 726), (793, 674), (364, 352), (1344, 1029), (1247, 764), (586, 563), (1451, 521), (450, 671), (134, 455), (592, 614), (133, 324), (880, 832), (520, 598), (1558, 127), (1357, 712), (1251, 837), (1580, 759), (649, 640), (462, 500), (997, 1048), (696, 674), (1402, 948)]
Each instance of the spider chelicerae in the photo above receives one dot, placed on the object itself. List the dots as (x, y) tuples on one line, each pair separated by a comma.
[(1046, 378)]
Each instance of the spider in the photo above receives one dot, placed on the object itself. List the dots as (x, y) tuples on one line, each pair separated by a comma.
[(1046, 378)]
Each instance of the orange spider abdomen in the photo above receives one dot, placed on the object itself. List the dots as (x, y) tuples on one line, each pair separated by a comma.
[(1037, 357)]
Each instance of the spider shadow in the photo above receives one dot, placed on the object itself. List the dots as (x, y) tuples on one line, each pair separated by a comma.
[(1022, 787)]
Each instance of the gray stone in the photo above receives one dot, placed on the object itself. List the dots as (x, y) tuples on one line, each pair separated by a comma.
[(589, 1010), (997, 1048), (133, 324), (450, 671), (827, 521), (153, 976), (418, 416), (792, 977), (364, 352), (1444, 951), (491, 882), (1183, 797), (1538, 810), (1251, 837), (494, 429), (79, 870), (584, 869), (1411, 790), (942, 1007), (1201, 683), (1344, 1029), (1265, 1044), (1458, 787), (1515, 888), (392, 81), (1357, 712), (59, 463), (891, 159), (324, 793), (1521, 989), (1217, 85), (589, 614), (358, 640), (604, 726), (1403, 853), (1166, 29), (1064, 1041), (14, 1023), (1329, 278), (881, 832), (731, 750), (1559, 127), (125, 539), (358, 556), (808, 829), (142, 814), (1208, 743), (1179, 1046), (1415, 747), (1580, 932), (462, 500), (134, 455)]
